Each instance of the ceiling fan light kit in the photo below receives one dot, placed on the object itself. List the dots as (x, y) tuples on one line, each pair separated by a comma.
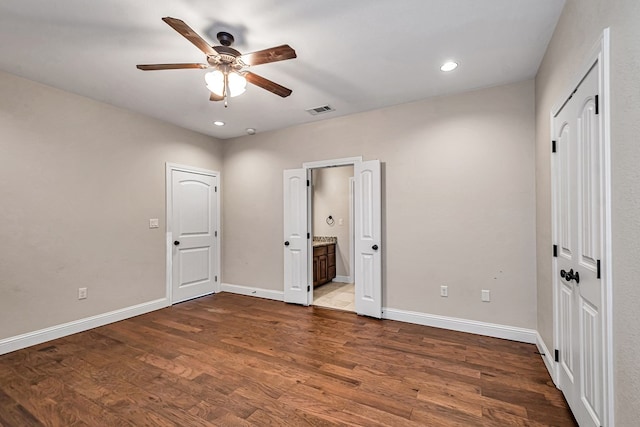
[(219, 83), (230, 68)]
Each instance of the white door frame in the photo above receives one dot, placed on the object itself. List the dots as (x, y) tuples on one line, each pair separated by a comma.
[(347, 161), (169, 168), (598, 56), (352, 230), (351, 276)]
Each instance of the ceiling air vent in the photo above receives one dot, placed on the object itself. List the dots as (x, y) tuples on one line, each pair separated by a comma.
[(320, 110)]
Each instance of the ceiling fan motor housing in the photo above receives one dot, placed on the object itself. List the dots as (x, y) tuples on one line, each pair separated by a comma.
[(225, 38)]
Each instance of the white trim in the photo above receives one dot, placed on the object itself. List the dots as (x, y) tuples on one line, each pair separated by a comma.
[(599, 56), (192, 169), (310, 195), (512, 333), (607, 255), (346, 161), (18, 342), (169, 167), (252, 292), (547, 357), (343, 279), (352, 229)]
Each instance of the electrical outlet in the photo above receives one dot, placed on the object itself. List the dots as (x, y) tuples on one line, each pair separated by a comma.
[(444, 291), (154, 223), (486, 295), (82, 293)]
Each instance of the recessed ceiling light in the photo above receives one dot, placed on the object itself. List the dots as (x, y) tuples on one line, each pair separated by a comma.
[(449, 66), (218, 123), (251, 131)]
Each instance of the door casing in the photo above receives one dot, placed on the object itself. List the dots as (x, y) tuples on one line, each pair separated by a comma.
[(169, 168), (599, 56)]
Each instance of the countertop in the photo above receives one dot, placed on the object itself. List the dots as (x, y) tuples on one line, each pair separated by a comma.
[(318, 244), (319, 241)]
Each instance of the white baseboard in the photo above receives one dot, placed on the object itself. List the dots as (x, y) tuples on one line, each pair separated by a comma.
[(343, 279), (463, 325), (547, 356), (18, 342), (253, 292)]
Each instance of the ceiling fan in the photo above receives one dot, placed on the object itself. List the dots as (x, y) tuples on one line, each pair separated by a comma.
[(230, 75)]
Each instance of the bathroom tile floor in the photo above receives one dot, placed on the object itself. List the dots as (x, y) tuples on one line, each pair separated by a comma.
[(335, 295)]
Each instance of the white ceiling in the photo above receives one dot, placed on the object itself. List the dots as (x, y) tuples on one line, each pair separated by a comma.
[(355, 55)]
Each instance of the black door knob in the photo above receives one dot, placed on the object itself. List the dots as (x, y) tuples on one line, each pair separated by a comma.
[(176, 242), (286, 243), (570, 275), (374, 247)]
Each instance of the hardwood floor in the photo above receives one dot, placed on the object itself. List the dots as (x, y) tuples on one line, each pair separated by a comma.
[(232, 360)]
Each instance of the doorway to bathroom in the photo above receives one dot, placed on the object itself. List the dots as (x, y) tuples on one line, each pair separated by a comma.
[(331, 203), (366, 268)]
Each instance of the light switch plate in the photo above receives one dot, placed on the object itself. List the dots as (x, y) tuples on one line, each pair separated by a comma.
[(154, 223), (486, 295)]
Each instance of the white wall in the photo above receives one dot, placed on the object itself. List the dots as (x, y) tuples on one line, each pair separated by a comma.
[(331, 197), (458, 200), (579, 27), (79, 181)]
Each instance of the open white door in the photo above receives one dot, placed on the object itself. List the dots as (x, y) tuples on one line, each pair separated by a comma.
[(368, 233), (296, 243)]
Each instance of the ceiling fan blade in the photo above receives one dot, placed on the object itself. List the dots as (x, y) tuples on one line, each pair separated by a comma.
[(188, 33), (215, 97), (274, 54), (267, 84), (152, 67)]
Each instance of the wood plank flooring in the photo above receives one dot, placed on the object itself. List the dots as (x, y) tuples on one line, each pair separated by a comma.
[(230, 360)]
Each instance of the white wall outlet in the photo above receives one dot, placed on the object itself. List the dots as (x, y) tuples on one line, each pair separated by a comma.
[(82, 293), (154, 223), (444, 291), (486, 295)]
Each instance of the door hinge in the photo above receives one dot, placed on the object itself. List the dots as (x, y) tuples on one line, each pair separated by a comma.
[(597, 104), (308, 288), (308, 183), (553, 146), (216, 278), (308, 235), (555, 251), (556, 354), (598, 269), (215, 233), (215, 189)]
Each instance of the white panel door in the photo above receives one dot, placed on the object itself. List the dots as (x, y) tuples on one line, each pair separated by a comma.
[(579, 246), (368, 232), (194, 211), (296, 242)]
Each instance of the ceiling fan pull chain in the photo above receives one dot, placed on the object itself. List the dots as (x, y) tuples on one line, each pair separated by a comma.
[(225, 90)]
